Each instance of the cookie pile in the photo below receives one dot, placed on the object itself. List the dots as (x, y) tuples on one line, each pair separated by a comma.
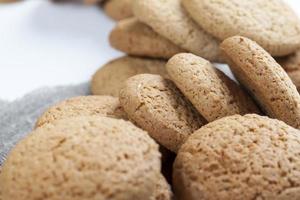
[(164, 123)]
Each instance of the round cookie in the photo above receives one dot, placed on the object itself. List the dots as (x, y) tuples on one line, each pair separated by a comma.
[(170, 20), (110, 78), (291, 64), (83, 106), (158, 107), (212, 93), (118, 9), (162, 190), (136, 38), (79, 158), (272, 23), (264, 78), (239, 158)]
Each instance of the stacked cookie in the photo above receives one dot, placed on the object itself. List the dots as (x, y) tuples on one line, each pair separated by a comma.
[(230, 139), (161, 29)]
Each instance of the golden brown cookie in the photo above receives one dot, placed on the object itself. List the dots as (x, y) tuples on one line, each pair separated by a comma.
[(169, 19), (212, 93), (83, 106), (239, 158), (264, 78), (110, 78), (291, 64), (271, 23), (157, 106), (118, 9), (138, 39), (88, 158)]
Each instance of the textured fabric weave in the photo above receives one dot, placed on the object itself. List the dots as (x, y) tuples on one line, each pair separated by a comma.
[(18, 118)]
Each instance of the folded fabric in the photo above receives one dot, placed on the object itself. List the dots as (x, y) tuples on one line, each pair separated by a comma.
[(18, 117)]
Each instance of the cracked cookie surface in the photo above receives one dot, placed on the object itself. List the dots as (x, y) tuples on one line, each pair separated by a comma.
[(107, 106), (212, 93), (87, 158), (271, 23), (240, 158), (169, 19), (157, 106), (264, 78)]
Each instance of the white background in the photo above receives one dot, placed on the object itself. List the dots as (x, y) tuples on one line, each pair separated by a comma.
[(46, 44)]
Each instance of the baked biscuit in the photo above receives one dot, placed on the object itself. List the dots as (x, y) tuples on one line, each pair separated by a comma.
[(83, 106), (264, 78), (271, 23), (212, 93), (291, 64), (170, 20), (83, 158), (118, 9), (138, 39), (109, 79), (158, 107), (239, 158)]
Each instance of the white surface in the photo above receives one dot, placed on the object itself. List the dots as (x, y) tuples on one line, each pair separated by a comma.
[(46, 44)]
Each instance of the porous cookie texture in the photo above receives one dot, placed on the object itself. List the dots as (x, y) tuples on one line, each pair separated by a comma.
[(264, 78), (157, 106), (210, 90), (118, 9), (83, 106), (239, 158), (83, 158), (272, 23), (110, 78), (136, 38), (162, 190), (169, 19), (291, 64)]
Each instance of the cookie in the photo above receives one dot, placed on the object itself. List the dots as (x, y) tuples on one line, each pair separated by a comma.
[(212, 93), (272, 24), (83, 158), (158, 107), (239, 158), (118, 9), (162, 190), (170, 20), (110, 78), (291, 64), (264, 78), (138, 39), (83, 106)]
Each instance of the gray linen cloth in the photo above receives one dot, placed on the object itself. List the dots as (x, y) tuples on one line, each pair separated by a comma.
[(17, 118)]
